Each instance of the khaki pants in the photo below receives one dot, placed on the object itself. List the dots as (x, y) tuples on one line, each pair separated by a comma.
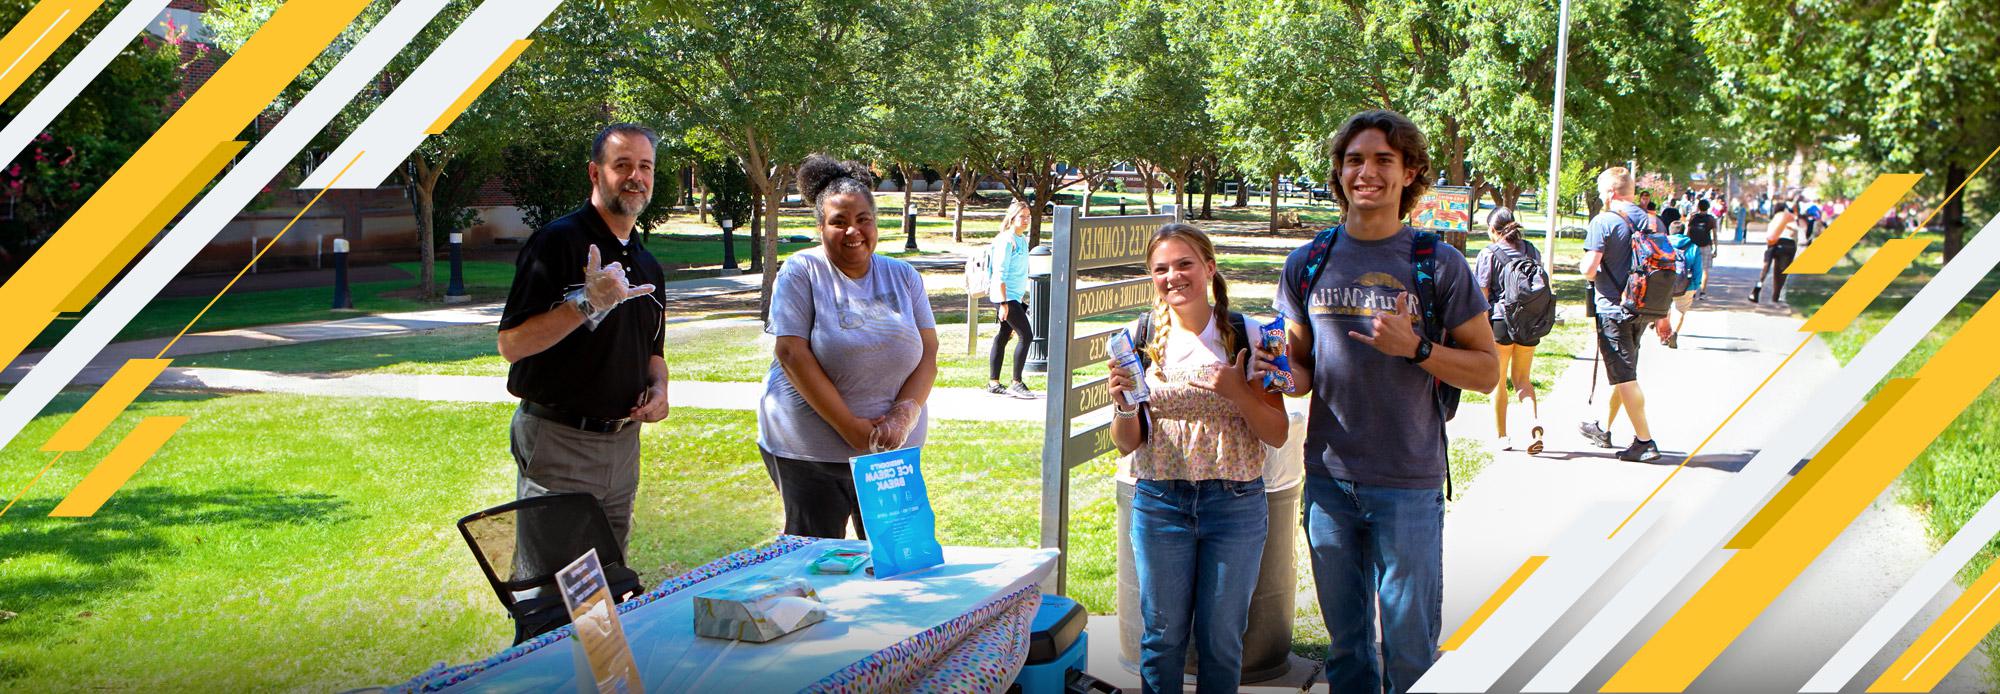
[(552, 458)]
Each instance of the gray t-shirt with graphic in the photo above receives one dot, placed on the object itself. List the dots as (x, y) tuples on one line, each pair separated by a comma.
[(1373, 418), (865, 335)]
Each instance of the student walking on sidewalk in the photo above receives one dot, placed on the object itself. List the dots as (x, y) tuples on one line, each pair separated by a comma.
[(1007, 265), (1510, 275), (1197, 444), (1608, 266)]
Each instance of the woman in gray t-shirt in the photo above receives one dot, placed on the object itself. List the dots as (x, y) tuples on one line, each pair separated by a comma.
[(855, 358)]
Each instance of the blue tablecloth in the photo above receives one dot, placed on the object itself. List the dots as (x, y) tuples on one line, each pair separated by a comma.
[(878, 634)]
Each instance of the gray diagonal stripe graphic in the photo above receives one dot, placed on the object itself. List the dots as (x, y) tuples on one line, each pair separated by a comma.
[(199, 227), (88, 62), (1833, 403)]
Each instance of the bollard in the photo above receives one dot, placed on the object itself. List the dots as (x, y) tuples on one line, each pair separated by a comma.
[(341, 300), (910, 228), (454, 293), (1121, 208), (1038, 308)]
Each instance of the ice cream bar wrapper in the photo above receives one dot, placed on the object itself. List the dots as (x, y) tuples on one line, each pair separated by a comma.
[(757, 609)]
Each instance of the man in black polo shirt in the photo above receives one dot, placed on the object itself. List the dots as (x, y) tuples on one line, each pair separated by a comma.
[(585, 344)]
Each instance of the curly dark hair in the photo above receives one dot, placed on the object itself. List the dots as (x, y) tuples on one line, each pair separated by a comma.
[(822, 176), (1403, 135)]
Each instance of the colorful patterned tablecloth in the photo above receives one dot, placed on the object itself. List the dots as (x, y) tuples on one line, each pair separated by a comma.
[(960, 627)]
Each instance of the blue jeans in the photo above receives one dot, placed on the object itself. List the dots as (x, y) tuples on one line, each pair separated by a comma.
[(1196, 547), (1375, 546)]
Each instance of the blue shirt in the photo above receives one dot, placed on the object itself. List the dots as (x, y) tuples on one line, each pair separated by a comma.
[(1007, 262)]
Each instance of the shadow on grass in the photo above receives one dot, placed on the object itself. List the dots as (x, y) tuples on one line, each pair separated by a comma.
[(116, 550)]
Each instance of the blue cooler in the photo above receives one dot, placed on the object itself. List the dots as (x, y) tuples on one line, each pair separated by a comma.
[(1057, 647)]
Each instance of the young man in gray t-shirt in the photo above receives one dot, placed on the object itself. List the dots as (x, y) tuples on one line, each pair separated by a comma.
[(1607, 264), (1375, 441)]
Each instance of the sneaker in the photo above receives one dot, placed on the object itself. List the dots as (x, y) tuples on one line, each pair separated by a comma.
[(1535, 446), (1503, 442), (1754, 291), (995, 388), (1020, 390), (1640, 452), (1596, 434), (1673, 340)]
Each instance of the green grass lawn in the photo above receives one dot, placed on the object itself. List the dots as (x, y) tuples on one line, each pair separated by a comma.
[(1953, 478)]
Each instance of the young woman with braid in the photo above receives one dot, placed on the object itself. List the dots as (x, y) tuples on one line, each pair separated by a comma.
[(1197, 448)]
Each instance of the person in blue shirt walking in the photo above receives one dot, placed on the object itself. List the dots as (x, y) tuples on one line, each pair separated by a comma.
[(1007, 268)]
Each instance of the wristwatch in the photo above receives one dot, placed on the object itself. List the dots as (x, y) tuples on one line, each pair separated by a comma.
[(581, 300), (1423, 351)]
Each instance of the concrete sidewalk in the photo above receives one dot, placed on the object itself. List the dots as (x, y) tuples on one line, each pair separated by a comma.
[(1520, 505)]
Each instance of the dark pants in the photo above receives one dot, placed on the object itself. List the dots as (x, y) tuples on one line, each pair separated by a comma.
[(1015, 322), (819, 497), (1618, 344), (1777, 259)]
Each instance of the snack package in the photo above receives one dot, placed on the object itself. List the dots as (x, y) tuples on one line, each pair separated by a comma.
[(1271, 338), (1125, 356), (757, 609), (839, 561)]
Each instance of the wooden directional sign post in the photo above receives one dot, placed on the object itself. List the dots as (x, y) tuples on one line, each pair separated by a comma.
[(1084, 243)]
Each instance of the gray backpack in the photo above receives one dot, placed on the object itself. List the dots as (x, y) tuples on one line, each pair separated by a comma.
[(1523, 300)]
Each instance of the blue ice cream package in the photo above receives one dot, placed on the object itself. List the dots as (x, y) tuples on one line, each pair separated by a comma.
[(1271, 339)]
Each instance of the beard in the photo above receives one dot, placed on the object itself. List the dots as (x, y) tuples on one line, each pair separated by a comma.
[(617, 202)]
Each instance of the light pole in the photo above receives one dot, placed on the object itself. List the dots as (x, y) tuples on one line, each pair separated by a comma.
[(1551, 204)]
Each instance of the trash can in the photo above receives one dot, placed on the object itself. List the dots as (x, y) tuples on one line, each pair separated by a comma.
[(1039, 260), (1267, 643)]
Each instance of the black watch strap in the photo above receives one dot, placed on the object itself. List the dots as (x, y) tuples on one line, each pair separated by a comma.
[(1423, 351)]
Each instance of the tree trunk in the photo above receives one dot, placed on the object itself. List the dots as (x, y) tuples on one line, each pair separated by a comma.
[(1146, 173), (1510, 196), (700, 196), (944, 192), (1454, 169), (1242, 191), (907, 185), (426, 187), (1273, 191), (1954, 212), (1208, 190), (774, 194)]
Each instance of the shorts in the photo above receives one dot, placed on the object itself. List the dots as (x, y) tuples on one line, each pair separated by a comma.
[(1783, 251), (1500, 335), (1618, 343), (1685, 301)]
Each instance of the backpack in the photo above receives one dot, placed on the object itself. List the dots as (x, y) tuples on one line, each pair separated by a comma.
[(1649, 290), (1688, 268), (1142, 334), (1423, 259), (1523, 300)]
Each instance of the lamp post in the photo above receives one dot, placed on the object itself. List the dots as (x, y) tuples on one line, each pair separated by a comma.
[(1552, 209)]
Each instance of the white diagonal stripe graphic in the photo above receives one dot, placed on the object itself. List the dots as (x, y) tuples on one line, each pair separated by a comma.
[(1908, 601), (39, 38), (1747, 490), (56, 96), (199, 227), (1577, 561), (386, 137)]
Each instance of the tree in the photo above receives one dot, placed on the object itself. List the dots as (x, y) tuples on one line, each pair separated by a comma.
[(1283, 70), (1159, 65), (90, 139), (1025, 110), (771, 81)]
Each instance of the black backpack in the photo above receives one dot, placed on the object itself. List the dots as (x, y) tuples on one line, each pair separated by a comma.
[(1142, 335), (1523, 300)]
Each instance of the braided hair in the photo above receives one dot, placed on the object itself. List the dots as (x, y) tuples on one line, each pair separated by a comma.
[(1502, 222), (821, 177), (1163, 315)]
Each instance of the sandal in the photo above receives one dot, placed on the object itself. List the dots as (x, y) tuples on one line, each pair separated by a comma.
[(1535, 446)]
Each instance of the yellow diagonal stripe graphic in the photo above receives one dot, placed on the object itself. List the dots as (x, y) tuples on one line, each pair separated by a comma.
[(1845, 305), (110, 400), (31, 483), (175, 199), (1498, 598), (1947, 640), (477, 87), (1752, 578), (1847, 229), (1828, 457), (36, 37), (242, 88), (132, 452)]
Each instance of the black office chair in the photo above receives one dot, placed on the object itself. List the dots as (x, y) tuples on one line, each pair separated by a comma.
[(522, 544)]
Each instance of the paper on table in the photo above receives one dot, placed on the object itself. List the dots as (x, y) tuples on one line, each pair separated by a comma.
[(787, 611)]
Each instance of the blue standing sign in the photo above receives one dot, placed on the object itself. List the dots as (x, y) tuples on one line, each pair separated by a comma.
[(896, 512)]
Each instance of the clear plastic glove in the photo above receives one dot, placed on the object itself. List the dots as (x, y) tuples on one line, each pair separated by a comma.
[(605, 285), (893, 429)]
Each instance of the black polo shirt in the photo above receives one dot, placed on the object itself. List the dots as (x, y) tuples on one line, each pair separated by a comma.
[(592, 373)]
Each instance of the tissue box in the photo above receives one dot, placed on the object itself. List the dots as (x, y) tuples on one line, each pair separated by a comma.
[(757, 609)]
